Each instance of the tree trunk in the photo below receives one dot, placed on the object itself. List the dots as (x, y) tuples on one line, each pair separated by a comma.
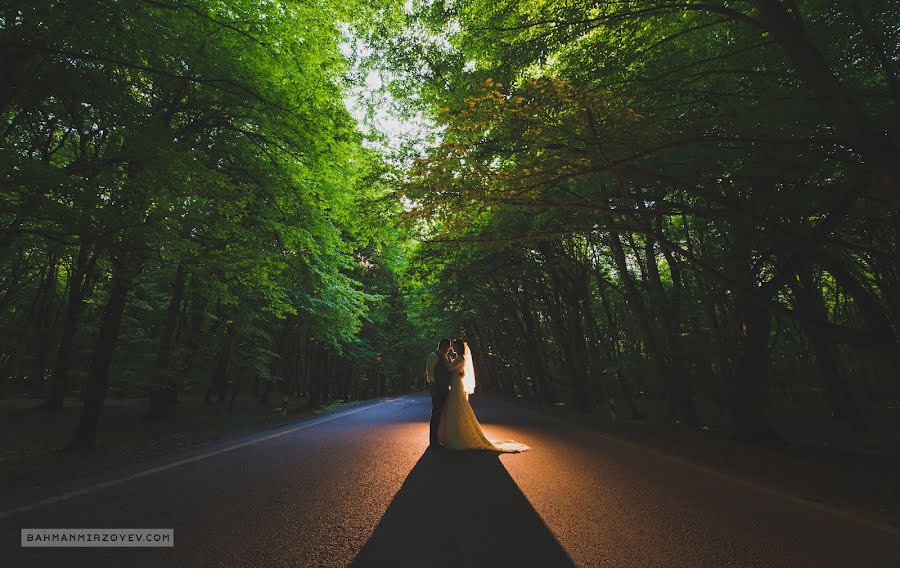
[(531, 347), (98, 372), (749, 388), (59, 387), (670, 318), (163, 394), (568, 283), (218, 383), (586, 367), (42, 317), (624, 384), (682, 405), (809, 300), (195, 322), (558, 316), (317, 378)]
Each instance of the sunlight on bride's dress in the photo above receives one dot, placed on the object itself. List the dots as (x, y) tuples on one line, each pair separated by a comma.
[(460, 430)]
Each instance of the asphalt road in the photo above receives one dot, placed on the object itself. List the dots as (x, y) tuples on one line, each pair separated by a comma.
[(358, 488)]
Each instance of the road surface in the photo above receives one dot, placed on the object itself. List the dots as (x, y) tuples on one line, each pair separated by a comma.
[(358, 488)]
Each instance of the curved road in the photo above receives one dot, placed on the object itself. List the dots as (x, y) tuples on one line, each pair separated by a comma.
[(359, 489)]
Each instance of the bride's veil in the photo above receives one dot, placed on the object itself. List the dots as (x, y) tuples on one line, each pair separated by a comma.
[(469, 374)]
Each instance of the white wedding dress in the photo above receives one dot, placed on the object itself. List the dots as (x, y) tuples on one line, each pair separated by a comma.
[(459, 428)]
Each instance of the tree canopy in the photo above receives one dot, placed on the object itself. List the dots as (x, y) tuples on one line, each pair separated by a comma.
[(692, 204), (694, 200)]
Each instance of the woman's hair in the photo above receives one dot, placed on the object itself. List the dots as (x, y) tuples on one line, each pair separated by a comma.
[(459, 346)]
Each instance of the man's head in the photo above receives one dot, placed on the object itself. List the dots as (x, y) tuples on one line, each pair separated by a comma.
[(443, 345)]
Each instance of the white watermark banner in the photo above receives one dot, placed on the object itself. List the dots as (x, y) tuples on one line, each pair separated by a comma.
[(98, 537)]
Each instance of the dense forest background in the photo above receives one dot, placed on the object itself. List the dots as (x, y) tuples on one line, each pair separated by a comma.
[(682, 212)]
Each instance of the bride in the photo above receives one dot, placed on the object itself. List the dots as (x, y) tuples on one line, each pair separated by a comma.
[(459, 429)]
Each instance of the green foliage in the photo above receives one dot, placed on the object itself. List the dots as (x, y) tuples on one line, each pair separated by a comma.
[(205, 149), (626, 198), (636, 184)]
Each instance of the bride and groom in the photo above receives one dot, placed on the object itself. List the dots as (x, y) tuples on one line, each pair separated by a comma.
[(453, 422)]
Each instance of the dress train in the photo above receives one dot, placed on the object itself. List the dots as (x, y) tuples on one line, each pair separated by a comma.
[(460, 429)]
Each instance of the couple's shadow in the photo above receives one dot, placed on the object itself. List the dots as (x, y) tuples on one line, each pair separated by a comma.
[(461, 509)]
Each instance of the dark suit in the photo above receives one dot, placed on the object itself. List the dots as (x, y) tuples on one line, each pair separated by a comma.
[(439, 391)]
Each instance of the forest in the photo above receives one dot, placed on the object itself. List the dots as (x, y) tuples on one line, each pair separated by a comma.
[(680, 212)]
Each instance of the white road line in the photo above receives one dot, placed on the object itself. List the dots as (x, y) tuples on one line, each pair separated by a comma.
[(855, 516), (105, 484), (849, 514)]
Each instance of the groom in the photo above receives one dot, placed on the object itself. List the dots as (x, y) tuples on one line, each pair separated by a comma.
[(438, 372)]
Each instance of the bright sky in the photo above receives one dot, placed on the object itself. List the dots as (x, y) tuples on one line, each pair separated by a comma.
[(377, 112)]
